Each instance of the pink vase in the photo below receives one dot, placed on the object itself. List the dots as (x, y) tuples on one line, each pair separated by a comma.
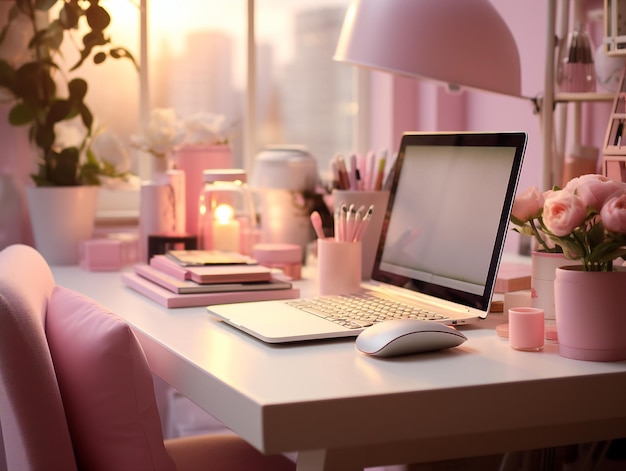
[(193, 160), (590, 314)]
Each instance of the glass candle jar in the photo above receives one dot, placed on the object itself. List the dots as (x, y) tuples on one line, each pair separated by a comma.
[(227, 219)]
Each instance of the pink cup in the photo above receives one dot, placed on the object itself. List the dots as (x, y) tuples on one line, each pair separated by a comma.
[(339, 265), (526, 328)]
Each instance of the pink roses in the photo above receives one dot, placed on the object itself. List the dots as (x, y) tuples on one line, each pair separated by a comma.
[(563, 212), (586, 220)]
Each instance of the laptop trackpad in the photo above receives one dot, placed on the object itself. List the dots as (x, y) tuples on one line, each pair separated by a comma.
[(275, 322)]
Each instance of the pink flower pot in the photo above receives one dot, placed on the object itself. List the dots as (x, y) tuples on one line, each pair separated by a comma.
[(590, 314)]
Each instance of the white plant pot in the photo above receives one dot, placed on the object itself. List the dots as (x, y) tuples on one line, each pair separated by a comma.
[(62, 217), (544, 267)]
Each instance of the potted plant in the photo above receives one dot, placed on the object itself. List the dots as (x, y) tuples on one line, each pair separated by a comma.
[(40, 101), (45, 96), (587, 220)]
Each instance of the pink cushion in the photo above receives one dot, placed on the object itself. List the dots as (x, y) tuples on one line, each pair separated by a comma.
[(106, 387)]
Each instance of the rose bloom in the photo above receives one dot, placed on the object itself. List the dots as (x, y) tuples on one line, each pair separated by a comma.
[(527, 204), (613, 214), (594, 189), (563, 212)]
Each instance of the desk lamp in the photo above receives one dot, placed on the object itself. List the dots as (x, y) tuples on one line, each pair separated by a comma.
[(458, 42)]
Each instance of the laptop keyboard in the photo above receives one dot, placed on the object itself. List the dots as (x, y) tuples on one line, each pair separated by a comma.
[(359, 310)]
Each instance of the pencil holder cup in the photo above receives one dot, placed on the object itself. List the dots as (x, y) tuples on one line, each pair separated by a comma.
[(369, 241), (339, 266)]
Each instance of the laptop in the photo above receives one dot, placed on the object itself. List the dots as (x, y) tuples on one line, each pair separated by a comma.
[(441, 242)]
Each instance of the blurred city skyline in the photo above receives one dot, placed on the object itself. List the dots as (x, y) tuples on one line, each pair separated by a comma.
[(303, 100)]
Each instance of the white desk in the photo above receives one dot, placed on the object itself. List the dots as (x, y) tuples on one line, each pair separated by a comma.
[(342, 410)]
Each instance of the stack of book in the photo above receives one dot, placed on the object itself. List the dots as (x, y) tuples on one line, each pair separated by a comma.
[(173, 281)]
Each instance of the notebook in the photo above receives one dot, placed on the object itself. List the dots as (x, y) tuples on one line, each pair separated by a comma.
[(442, 238)]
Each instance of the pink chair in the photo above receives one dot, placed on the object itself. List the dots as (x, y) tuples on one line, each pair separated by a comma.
[(76, 391)]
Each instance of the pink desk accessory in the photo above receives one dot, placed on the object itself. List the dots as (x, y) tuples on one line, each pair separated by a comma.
[(339, 265), (339, 258), (526, 328), (372, 205), (287, 257)]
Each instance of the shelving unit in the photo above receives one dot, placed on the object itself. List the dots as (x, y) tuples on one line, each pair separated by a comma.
[(614, 151), (554, 118), (614, 148)]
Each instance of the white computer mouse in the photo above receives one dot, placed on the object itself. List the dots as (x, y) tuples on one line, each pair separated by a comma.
[(406, 336)]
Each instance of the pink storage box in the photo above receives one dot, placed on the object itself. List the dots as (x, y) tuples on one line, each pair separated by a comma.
[(109, 254), (287, 257), (101, 255)]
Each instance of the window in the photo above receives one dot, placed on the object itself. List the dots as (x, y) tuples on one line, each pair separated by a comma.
[(197, 62), (303, 96)]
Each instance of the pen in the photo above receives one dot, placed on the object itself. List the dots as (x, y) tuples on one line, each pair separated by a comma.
[(350, 223), (334, 172), (343, 218), (380, 171), (316, 219), (359, 181), (364, 223), (353, 172), (344, 180), (358, 218)]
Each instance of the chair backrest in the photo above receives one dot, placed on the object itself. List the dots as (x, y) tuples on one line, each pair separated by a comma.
[(76, 391), (34, 428)]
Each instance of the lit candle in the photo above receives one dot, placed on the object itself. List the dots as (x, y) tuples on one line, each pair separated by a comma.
[(225, 230)]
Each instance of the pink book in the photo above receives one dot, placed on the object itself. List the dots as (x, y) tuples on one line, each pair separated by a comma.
[(205, 274), (172, 300), (175, 285)]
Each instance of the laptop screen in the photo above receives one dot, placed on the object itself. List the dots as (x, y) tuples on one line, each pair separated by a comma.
[(448, 214)]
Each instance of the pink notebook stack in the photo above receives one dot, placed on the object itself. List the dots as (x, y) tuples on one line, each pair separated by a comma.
[(172, 285)]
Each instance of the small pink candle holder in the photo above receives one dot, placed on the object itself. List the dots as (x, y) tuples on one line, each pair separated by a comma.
[(526, 328)]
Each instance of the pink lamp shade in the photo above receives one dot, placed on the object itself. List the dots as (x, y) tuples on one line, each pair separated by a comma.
[(459, 42)]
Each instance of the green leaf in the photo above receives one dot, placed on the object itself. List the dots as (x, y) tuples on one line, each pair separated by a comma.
[(77, 89), (570, 247), (34, 83), (88, 174), (99, 58), (86, 116), (69, 16), (64, 167), (595, 234), (59, 111), (97, 17), (7, 75), (90, 40), (21, 114), (44, 136), (123, 53)]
